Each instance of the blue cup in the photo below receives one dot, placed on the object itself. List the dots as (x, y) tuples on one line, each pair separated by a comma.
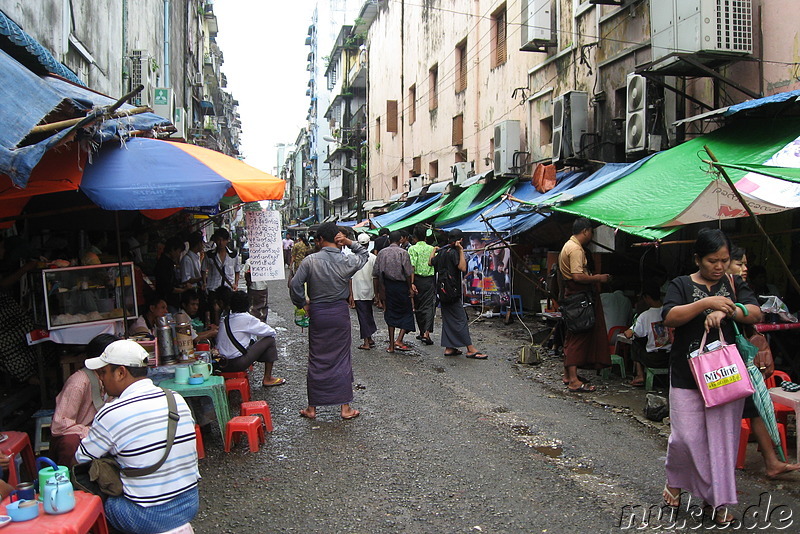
[(24, 491)]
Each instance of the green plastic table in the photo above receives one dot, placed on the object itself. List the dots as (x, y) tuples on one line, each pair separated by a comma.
[(214, 387)]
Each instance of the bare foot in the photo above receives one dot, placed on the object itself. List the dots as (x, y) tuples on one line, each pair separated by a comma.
[(309, 413), (781, 468)]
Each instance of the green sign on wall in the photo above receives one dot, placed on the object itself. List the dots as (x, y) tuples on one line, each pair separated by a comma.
[(161, 96)]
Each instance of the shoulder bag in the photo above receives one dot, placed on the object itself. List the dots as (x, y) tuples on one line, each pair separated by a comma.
[(101, 476), (577, 310), (720, 373)]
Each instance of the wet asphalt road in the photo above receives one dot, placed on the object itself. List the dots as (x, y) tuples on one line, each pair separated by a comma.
[(442, 445)]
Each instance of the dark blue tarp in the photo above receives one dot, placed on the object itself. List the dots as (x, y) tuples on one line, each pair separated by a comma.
[(27, 99), (404, 212), (517, 218), (759, 102)]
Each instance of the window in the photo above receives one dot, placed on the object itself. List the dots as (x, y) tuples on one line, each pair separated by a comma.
[(461, 66), (391, 116), (458, 129), (412, 104), (499, 37), (461, 155), (433, 81), (394, 183), (546, 131), (416, 166), (433, 169), (378, 130)]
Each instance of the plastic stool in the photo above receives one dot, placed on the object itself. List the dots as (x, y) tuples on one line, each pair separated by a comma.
[(201, 450), (18, 443), (240, 374), (744, 437), (516, 306), (651, 372), (44, 418), (258, 408), (250, 424), (616, 359), (183, 529), (242, 385)]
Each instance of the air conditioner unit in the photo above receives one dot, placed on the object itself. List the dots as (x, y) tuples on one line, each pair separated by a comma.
[(180, 122), (164, 102), (636, 114), (462, 170), (139, 62), (537, 27), (506, 144), (714, 27), (570, 124)]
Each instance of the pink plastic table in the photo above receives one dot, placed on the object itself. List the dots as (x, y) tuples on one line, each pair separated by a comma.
[(792, 400), (88, 515)]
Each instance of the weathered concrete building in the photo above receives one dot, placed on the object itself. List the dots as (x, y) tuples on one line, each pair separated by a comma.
[(472, 82), (166, 45)]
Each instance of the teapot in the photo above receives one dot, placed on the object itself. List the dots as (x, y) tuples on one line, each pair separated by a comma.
[(203, 368), (46, 473), (59, 497)]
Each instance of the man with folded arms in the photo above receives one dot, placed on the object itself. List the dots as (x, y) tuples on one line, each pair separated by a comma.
[(133, 430)]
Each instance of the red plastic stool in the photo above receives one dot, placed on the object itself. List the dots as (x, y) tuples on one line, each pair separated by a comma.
[(201, 450), (744, 437), (18, 443), (240, 374), (251, 424), (258, 408), (242, 385)]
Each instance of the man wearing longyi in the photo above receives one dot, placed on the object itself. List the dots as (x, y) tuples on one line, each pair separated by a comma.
[(133, 431), (327, 275)]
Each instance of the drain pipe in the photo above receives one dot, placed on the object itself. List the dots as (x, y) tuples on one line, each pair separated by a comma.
[(166, 42)]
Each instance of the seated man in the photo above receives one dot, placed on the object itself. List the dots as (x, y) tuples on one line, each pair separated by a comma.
[(133, 430), (649, 325), (76, 406), (190, 305)]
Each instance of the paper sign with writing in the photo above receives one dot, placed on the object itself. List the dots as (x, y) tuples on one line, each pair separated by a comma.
[(266, 250)]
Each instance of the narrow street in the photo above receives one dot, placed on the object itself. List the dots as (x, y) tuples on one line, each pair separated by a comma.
[(442, 445)]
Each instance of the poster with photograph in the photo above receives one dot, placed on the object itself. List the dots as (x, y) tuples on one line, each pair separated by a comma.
[(488, 276), (266, 250)]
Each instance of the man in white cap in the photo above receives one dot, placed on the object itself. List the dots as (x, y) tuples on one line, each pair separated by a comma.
[(362, 293), (133, 430)]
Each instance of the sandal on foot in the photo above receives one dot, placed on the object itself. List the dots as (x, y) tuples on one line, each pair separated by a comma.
[(276, 382), (303, 413), (477, 355), (364, 347), (401, 347), (454, 353), (353, 415), (720, 516), (427, 341), (671, 497), (635, 383), (583, 388)]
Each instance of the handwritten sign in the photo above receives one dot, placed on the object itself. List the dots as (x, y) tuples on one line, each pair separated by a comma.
[(266, 250)]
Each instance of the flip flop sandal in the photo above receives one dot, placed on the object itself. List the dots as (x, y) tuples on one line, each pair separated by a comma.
[(401, 348), (477, 355), (277, 382), (456, 353), (362, 347), (355, 414), (427, 341), (671, 496), (583, 388)]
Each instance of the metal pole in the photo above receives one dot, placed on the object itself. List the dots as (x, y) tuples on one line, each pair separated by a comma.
[(359, 192), (743, 202)]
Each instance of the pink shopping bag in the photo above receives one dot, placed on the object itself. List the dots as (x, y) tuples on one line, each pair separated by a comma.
[(721, 375)]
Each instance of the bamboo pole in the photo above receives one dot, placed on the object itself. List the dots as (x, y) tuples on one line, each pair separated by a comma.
[(61, 125), (743, 202)]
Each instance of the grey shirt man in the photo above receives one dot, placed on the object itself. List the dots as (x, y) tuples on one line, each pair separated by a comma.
[(327, 274)]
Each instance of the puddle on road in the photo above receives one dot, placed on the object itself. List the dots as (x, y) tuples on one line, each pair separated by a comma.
[(552, 452)]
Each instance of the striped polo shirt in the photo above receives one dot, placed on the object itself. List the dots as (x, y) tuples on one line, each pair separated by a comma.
[(133, 429)]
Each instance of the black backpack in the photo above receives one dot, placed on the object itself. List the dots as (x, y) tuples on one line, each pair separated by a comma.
[(448, 285)]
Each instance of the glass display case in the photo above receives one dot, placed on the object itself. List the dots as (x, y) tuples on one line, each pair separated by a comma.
[(74, 296)]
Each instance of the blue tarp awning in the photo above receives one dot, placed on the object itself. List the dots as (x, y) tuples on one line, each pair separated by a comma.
[(510, 217), (406, 211), (28, 100), (759, 102)]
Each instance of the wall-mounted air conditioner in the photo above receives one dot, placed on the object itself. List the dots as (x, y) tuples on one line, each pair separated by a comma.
[(139, 64), (570, 124), (537, 25), (715, 27), (181, 122), (506, 144), (415, 182), (462, 170), (636, 114)]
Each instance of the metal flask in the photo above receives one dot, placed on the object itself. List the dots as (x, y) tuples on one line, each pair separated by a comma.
[(166, 341)]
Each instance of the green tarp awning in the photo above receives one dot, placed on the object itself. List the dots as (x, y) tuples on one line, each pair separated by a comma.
[(656, 199)]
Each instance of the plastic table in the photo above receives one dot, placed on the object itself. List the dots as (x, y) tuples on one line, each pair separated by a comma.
[(18, 443), (781, 396), (87, 515), (214, 387)]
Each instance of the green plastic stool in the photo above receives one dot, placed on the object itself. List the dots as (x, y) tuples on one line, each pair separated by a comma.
[(651, 373), (616, 359)]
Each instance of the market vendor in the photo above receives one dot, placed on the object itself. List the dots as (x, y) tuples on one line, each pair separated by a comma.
[(77, 404), (168, 285), (146, 323), (190, 305)]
